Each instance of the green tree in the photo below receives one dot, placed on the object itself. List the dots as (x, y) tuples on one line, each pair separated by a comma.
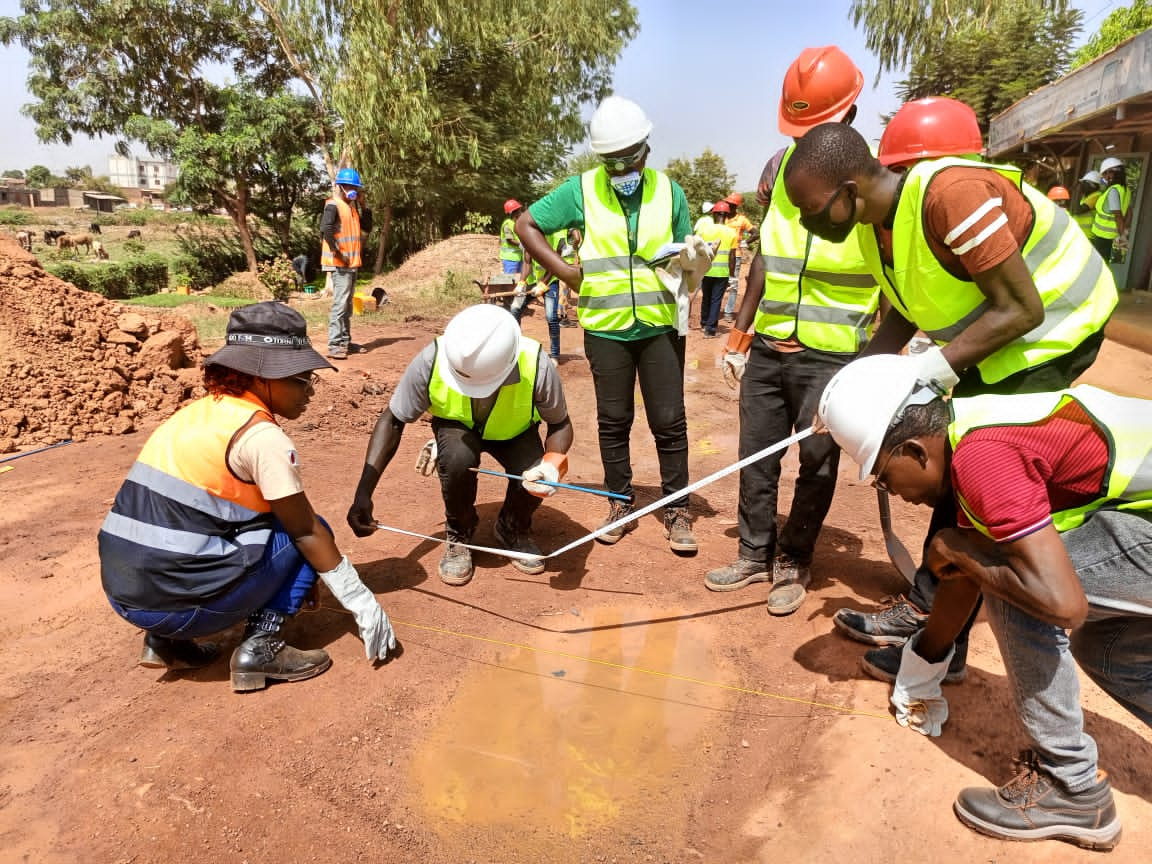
[(704, 178), (39, 176), (1118, 27), (14, 174)]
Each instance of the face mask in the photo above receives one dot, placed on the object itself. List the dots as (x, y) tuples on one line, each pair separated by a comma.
[(350, 194), (626, 184), (822, 225)]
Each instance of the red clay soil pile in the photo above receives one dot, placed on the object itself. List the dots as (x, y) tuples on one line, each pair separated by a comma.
[(73, 364), (470, 256)]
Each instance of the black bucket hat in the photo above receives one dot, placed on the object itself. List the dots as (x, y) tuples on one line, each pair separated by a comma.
[(268, 340)]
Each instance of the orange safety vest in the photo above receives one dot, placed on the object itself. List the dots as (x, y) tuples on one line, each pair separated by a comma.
[(347, 237)]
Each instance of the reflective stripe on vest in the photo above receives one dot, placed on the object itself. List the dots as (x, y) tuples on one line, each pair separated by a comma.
[(182, 522), (515, 408), (619, 287), (1073, 282), (725, 238), (510, 249), (347, 237), (1123, 420), (1104, 222), (822, 294)]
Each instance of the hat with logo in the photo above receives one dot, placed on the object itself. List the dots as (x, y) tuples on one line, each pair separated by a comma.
[(268, 340)]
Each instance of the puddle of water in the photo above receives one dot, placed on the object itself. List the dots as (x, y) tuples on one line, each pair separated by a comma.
[(565, 745)]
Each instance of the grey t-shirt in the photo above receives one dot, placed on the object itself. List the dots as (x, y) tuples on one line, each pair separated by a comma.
[(1112, 202), (410, 398)]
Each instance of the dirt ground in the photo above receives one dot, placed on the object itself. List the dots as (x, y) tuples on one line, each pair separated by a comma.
[(609, 710)]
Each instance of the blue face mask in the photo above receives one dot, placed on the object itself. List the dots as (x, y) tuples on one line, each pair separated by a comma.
[(350, 194), (626, 184)]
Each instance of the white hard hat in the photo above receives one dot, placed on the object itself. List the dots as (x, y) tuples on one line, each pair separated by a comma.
[(865, 398), (618, 124), (706, 207), (1110, 163), (481, 346), (1093, 177)]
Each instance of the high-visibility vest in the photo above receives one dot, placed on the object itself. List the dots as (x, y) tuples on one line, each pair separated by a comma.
[(725, 240), (510, 249), (1125, 422), (1074, 284), (1104, 222), (182, 520), (702, 224), (558, 241), (347, 237), (515, 408), (619, 287), (822, 294)]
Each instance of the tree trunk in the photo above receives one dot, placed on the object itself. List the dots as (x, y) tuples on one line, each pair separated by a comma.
[(385, 230), (240, 217)]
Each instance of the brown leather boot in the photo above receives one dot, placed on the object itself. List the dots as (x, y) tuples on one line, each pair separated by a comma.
[(263, 655)]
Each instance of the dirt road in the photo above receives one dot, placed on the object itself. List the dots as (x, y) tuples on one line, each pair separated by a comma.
[(706, 730)]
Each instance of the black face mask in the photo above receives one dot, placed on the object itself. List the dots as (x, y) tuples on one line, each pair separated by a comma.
[(822, 225)]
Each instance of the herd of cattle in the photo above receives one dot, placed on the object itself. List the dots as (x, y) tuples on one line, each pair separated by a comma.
[(65, 240)]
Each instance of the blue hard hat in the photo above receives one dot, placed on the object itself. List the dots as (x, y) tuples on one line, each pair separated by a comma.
[(348, 177)]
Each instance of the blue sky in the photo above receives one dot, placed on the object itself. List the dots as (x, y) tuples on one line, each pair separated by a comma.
[(707, 76)]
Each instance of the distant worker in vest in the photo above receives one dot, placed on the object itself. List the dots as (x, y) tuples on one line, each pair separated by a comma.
[(715, 282), (213, 527), (628, 215), (807, 311), (1091, 188), (343, 222), (1110, 221), (1013, 295), (705, 220), (487, 388), (1060, 196), (1054, 528), (511, 252), (546, 286), (743, 228)]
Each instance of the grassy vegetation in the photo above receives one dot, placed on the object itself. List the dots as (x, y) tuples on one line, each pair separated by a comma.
[(174, 301)]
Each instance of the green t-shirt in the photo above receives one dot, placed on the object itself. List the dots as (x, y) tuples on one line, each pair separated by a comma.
[(563, 208)]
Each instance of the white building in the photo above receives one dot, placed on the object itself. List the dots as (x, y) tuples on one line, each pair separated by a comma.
[(131, 172)]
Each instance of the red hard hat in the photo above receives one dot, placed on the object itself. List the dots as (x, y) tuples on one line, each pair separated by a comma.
[(722, 207), (512, 205), (820, 86), (735, 199), (1059, 193), (928, 129)]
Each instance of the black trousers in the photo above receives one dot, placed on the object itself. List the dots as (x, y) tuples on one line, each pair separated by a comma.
[(658, 364)]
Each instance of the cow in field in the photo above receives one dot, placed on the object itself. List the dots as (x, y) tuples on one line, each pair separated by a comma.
[(51, 235), (74, 242), (134, 234), (24, 238), (94, 228), (99, 251)]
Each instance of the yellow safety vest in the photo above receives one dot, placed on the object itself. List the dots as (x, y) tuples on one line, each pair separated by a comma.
[(515, 408), (347, 237), (822, 294), (1074, 284), (510, 249), (1104, 223), (725, 238), (619, 287), (1125, 422)]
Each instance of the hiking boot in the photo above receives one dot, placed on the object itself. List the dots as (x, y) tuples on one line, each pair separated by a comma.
[(263, 654), (736, 575), (678, 529), (161, 652), (790, 581), (892, 625), (884, 663), (568, 322), (617, 510), (1034, 806), (456, 562), (520, 541), (337, 352)]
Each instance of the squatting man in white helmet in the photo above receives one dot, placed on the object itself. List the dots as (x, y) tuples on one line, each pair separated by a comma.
[(487, 391), (1054, 527)]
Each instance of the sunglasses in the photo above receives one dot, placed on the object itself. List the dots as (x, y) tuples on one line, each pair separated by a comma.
[(882, 485), (308, 380), (616, 164)]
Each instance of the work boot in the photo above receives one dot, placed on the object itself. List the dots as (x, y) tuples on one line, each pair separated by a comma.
[(456, 562), (884, 663), (678, 529), (736, 575), (161, 652), (617, 510), (337, 352), (892, 625), (520, 541), (790, 581), (263, 655), (1034, 806)]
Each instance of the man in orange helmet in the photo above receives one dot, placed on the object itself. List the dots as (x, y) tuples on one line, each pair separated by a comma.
[(808, 310), (1060, 195), (742, 226)]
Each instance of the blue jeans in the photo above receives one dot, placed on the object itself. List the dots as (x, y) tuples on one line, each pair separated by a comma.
[(733, 290), (552, 315), (711, 295), (1112, 553), (340, 318), (511, 266), (280, 582)]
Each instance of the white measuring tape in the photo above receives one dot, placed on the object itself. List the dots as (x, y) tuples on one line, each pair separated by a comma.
[(636, 514)]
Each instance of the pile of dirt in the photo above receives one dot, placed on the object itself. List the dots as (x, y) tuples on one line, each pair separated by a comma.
[(467, 255), (73, 364)]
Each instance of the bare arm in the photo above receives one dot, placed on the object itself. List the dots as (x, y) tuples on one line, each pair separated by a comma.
[(381, 448), (559, 438), (892, 335), (536, 245), (308, 533), (753, 294)]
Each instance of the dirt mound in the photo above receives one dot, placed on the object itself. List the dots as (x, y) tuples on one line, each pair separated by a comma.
[(73, 364), (467, 255)]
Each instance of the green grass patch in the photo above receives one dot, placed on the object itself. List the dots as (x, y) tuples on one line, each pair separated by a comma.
[(175, 301)]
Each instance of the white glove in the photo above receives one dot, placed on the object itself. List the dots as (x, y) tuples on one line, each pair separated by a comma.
[(551, 467), (375, 628), (426, 461), (933, 369), (734, 365), (521, 289), (696, 256), (916, 697), (1122, 242)]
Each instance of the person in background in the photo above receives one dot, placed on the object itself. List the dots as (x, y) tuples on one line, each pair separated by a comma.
[(1091, 187), (715, 282), (511, 252), (542, 284), (1059, 195), (341, 226), (300, 268), (1110, 222), (740, 224), (566, 301), (705, 221)]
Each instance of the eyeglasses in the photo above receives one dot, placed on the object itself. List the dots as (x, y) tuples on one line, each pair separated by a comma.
[(882, 485), (623, 163), (308, 380)]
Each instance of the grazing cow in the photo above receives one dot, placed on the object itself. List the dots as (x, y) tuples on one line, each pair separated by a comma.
[(99, 251), (94, 228), (75, 241), (51, 235), (24, 238), (134, 234)]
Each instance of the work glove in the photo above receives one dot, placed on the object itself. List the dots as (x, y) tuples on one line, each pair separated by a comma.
[(696, 258), (360, 518), (375, 628), (551, 468), (916, 697), (736, 356), (521, 289), (1122, 243), (932, 369), (426, 460)]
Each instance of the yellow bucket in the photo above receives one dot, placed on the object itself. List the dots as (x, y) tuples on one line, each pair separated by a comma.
[(181, 289), (358, 303)]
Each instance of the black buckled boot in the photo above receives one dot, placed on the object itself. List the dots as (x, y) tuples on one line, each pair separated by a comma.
[(162, 652), (263, 655)]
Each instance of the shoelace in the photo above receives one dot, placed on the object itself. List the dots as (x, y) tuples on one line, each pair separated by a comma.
[(1023, 786)]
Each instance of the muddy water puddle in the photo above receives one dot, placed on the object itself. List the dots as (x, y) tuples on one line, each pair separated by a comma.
[(564, 744)]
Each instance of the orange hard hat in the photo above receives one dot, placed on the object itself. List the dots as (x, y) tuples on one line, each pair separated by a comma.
[(512, 205), (1059, 193), (928, 129), (735, 199), (722, 207), (820, 86)]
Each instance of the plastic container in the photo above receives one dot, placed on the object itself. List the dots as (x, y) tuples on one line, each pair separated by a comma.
[(358, 304)]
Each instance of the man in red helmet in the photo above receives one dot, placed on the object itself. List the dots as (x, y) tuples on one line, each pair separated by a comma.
[(511, 252), (808, 310)]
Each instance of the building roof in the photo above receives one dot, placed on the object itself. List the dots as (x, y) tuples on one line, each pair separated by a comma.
[(103, 196)]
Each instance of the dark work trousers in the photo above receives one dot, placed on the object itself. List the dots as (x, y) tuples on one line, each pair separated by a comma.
[(1104, 246), (1054, 375), (458, 450), (712, 290), (779, 393), (658, 363)]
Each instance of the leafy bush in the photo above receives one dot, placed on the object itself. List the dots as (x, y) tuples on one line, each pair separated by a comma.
[(134, 247), (473, 223), (278, 276), (211, 250), (136, 277), (15, 217), (243, 284)]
